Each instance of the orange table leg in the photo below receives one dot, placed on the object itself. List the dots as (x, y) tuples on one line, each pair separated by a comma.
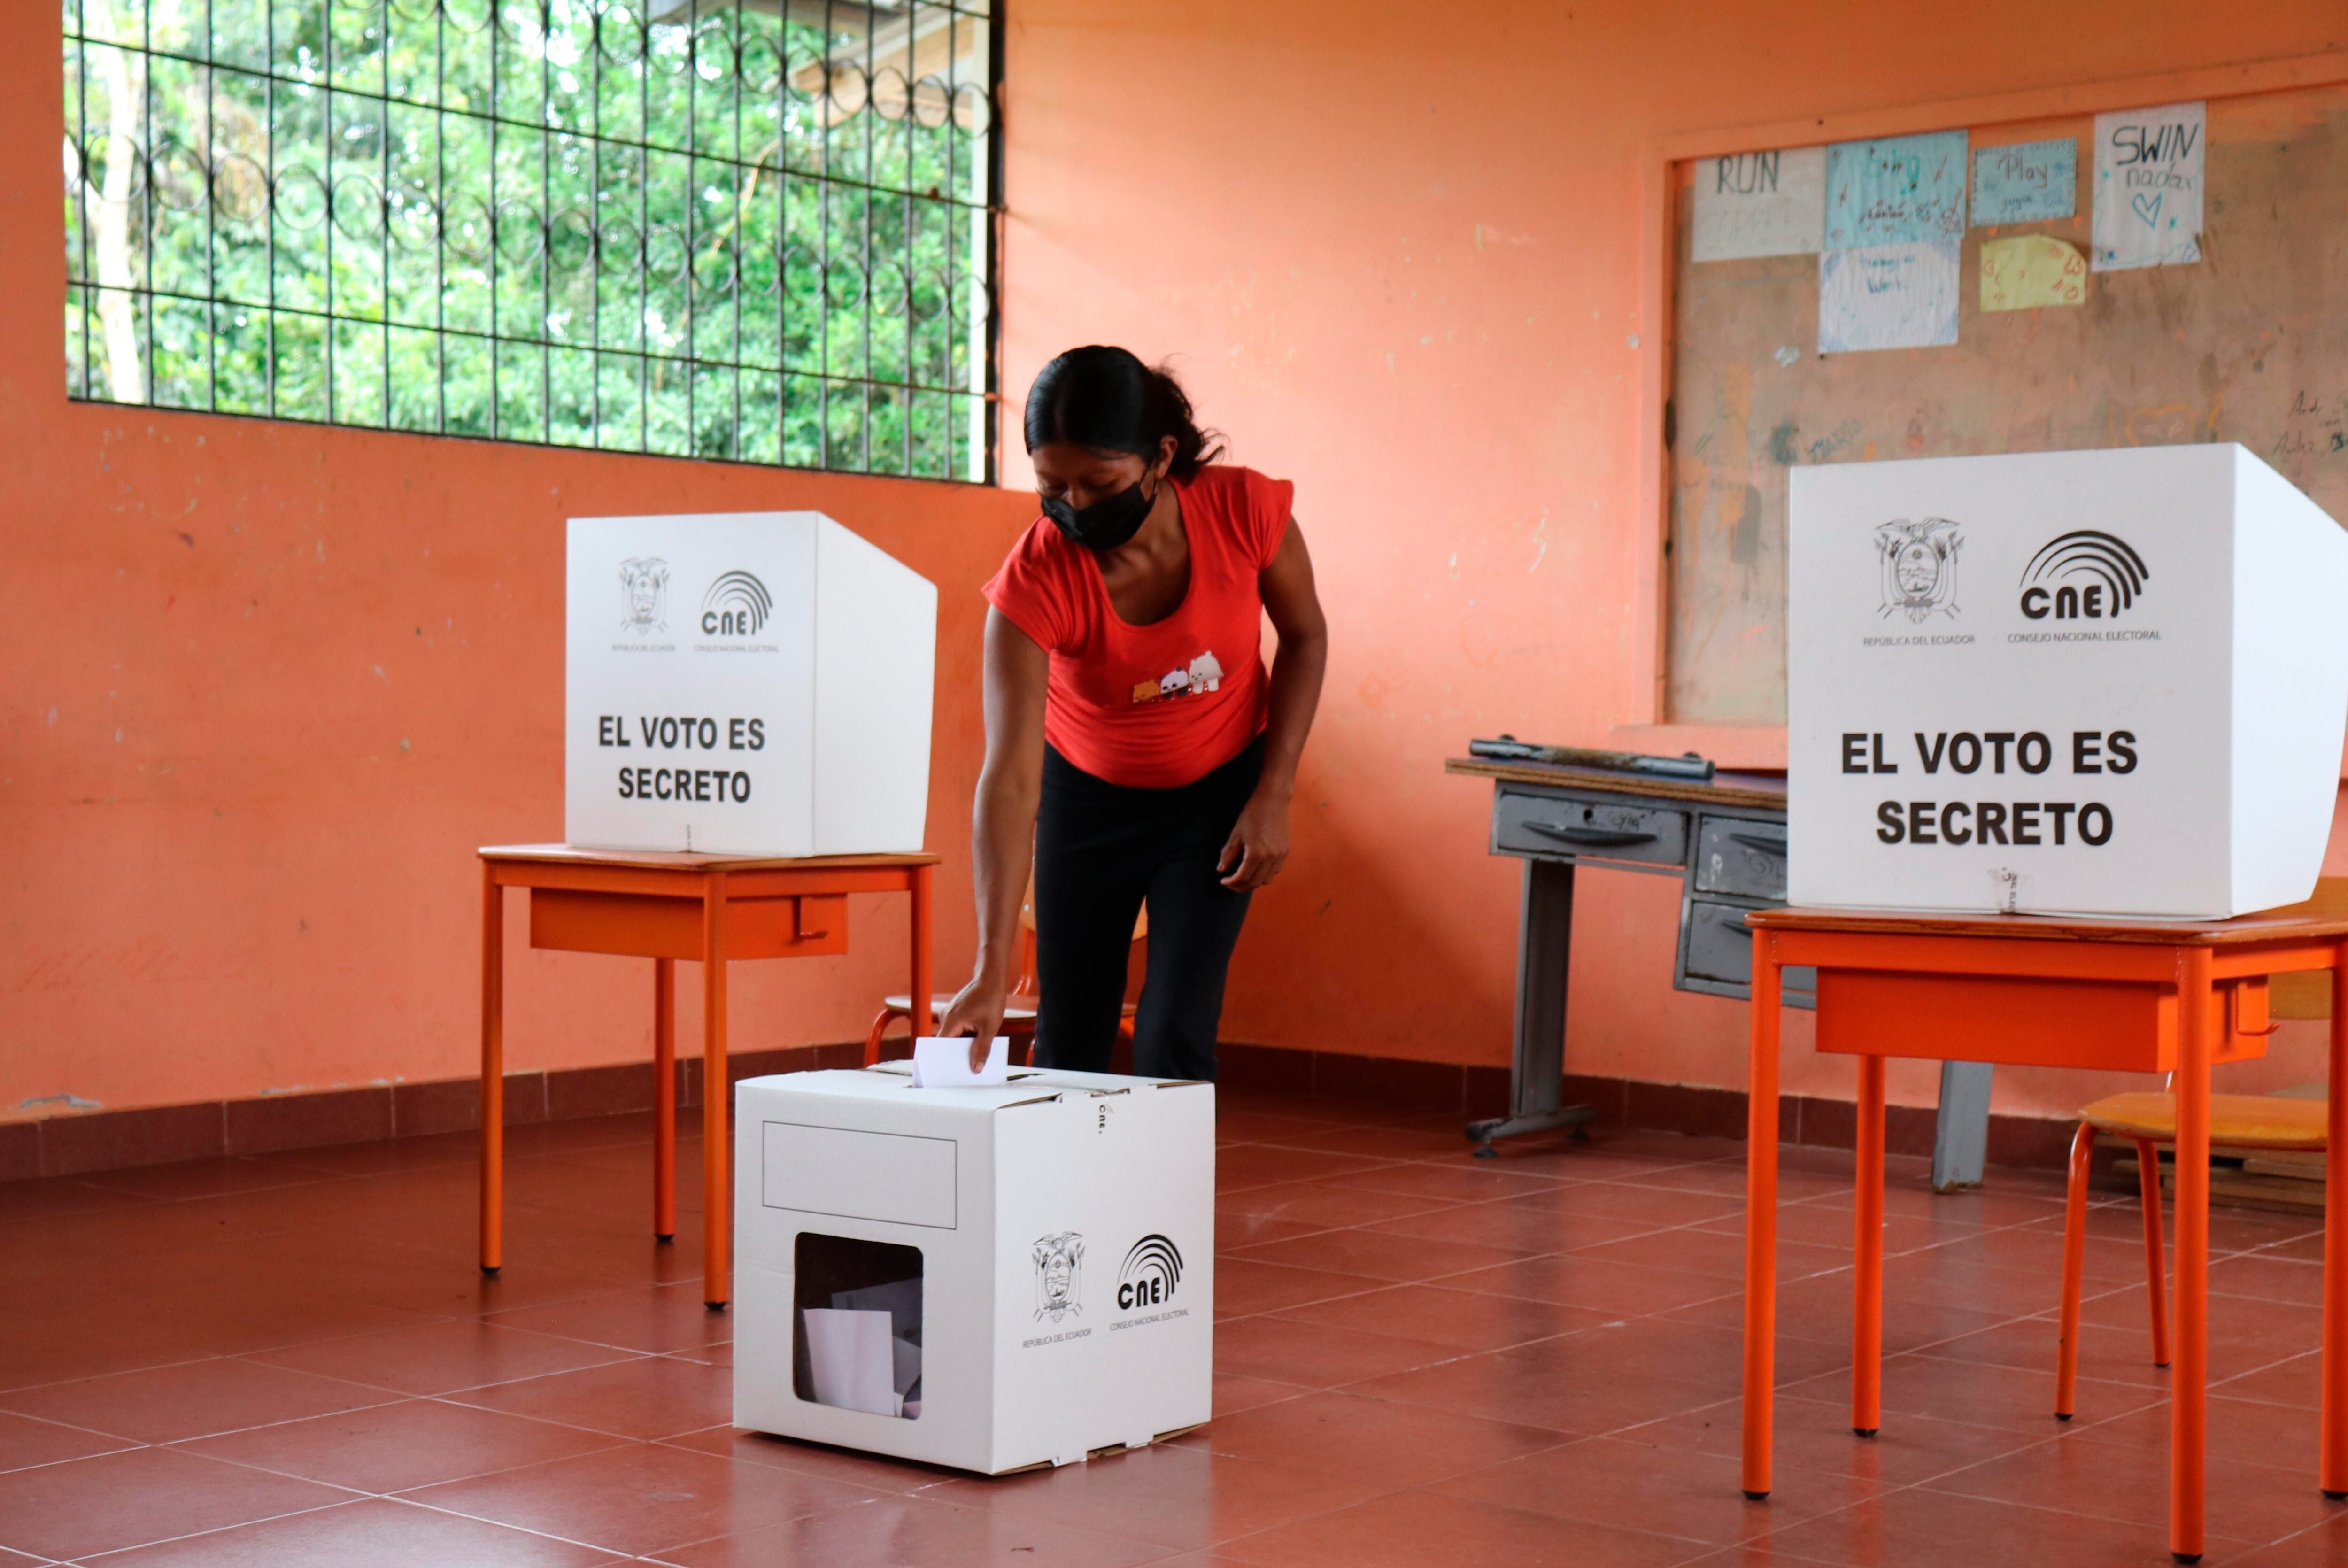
[(1867, 1272), (2189, 1396), (2331, 1465), (1761, 1221), (665, 1099), (493, 1071), (2156, 1264), (716, 1100), (2075, 1262), (924, 980)]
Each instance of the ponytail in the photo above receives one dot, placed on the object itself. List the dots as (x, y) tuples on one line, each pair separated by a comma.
[(1106, 400)]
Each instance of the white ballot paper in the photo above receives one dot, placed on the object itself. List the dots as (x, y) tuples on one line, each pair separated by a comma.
[(945, 1064), (852, 1359)]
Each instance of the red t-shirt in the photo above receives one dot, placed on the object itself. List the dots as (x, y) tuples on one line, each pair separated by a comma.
[(1161, 705)]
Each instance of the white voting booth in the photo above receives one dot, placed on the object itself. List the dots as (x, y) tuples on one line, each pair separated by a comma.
[(989, 1278), (746, 684), (2083, 683)]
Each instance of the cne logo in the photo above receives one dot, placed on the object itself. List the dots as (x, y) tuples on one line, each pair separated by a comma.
[(737, 606), (1152, 1269), (2085, 575)]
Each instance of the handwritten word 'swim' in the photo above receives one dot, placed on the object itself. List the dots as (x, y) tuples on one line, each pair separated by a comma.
[(2153, 143)]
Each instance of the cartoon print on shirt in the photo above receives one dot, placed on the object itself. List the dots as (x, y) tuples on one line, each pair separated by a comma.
[(1204, 675)]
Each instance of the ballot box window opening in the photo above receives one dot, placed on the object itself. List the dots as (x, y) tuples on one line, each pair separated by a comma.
[(856, 1324), (759, 231)]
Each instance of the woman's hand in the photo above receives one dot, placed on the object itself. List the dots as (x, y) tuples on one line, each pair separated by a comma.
[(976, 1011), (1257, 846)]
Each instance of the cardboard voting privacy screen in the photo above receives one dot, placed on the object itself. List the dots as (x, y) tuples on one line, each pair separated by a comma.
[(2092, 682), (749, 684), (986, 1277)]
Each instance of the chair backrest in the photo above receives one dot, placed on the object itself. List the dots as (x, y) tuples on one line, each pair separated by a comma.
[(2307, 994), (1025, 984)]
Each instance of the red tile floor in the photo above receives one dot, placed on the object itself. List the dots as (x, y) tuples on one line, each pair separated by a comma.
[(1422, 1359)]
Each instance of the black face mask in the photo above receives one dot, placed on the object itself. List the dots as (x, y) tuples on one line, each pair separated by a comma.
[(1107, 523)]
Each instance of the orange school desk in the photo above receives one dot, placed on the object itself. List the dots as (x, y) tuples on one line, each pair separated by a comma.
[(665, 907), (2040, 991)]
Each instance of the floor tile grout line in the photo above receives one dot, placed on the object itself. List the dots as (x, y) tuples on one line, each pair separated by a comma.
[(193, 1534), (2159, 1521)]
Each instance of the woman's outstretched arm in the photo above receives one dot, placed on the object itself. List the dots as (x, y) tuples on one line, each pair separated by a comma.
[(1002, 826)]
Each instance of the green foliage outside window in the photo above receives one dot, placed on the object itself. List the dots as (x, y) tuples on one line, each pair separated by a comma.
[(755, 230)]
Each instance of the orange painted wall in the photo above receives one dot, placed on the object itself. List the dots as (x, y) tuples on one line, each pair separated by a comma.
[(266, 687), (1395, 250)]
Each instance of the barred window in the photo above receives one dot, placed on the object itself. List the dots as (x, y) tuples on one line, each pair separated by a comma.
[(755, 230)]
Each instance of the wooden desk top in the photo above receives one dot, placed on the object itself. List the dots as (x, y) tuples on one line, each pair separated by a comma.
[(677, 861), (1749, 789), (2321, 917)]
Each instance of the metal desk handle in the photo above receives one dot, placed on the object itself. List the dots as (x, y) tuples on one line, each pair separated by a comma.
[(1760, 841), (1573, 835), (1733, 919)]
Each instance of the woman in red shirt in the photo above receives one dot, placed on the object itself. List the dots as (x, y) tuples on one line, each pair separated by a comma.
[(1132, 733)]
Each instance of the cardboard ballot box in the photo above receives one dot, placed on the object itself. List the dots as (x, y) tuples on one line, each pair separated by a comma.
[(988, 1278), (754, 684), (2077, 683)]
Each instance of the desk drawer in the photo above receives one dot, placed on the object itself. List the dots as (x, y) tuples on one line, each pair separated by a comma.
[(651, 925), (1738, 855), (1718, 947), (1528, 824)]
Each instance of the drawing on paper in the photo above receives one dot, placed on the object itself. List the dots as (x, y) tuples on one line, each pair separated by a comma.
[(2028, 182), (2149, 168), (1908, 190), (1760, 204), (2028, 272), (1888, 296)]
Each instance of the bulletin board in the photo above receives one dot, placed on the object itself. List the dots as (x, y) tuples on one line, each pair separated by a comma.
[(2248, 343)]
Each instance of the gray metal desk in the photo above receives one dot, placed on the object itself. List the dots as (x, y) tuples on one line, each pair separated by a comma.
[(1725, 841)]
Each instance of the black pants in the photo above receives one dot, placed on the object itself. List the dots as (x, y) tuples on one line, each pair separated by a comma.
[(1101, 849)]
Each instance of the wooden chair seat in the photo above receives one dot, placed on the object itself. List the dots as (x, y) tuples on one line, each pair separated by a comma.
[(2237, 1120), (2148, 1120)]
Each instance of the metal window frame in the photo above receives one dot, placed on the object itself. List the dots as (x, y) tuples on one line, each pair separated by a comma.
[(968, 404)]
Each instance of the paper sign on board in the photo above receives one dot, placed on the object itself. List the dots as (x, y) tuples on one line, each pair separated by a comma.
[(2027, 182), (1888, 296), (1760, 204), (1908, 189), (2026, 272), (2148, 165)]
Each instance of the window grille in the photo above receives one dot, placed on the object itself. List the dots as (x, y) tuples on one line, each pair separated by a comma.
[(753, 230)]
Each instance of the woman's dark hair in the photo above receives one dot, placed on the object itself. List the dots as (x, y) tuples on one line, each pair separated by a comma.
[(1107, 400)]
